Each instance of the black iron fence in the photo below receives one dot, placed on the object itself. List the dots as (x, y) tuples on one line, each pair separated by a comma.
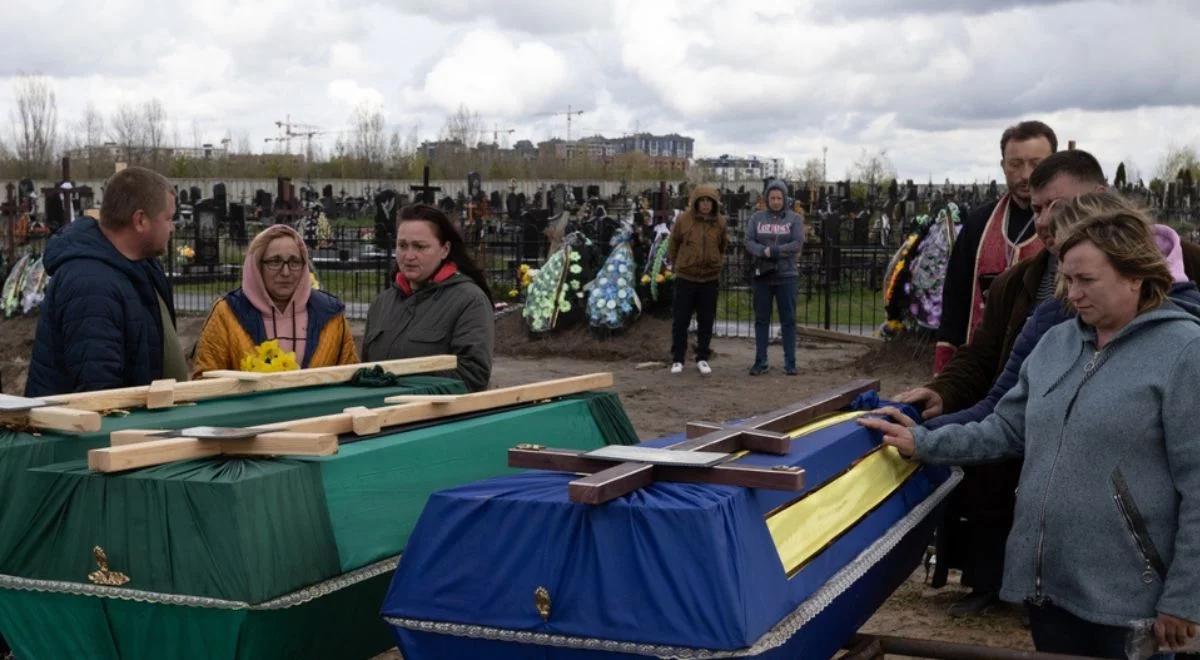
[(838, 287)]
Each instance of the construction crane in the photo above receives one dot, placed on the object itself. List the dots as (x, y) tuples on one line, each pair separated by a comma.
[(569, 114), (497, 131), (289, 129)]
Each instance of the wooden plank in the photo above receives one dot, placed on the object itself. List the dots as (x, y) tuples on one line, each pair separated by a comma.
[(152, 452), (249, 376), (424, 398), (135, 397), (810, 408), (747, 476), (611, 483), (160, 394), (478, 401), (338, 373), (363, 420), (736, 439), (225, 383), (58, 418), (729, 474), (133, 436), (283, 443)]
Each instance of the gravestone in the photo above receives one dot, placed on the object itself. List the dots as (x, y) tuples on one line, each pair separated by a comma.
[(474, 186), (593, 192), (221, 199), (495, 201), (237, 223), (387, 205), (577, 195)]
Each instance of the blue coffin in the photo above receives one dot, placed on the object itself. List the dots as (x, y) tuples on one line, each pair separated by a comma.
[(510, 568)]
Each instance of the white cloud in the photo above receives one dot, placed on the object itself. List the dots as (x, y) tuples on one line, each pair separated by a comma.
[(487, 71)]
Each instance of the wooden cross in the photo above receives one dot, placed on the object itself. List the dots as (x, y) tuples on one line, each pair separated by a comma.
[(764, 433), (318, 436), (426, 191)]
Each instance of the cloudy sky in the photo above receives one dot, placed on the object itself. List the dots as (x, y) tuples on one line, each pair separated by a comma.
[(933, 82)]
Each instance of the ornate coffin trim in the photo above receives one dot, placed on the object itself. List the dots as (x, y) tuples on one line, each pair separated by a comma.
[(774, 638), (293, 599)]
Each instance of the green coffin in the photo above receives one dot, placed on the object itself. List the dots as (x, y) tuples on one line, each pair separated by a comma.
[(232, 549)]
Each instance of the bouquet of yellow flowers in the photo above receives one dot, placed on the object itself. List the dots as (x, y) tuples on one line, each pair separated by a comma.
[(186, 253), (268, 357)]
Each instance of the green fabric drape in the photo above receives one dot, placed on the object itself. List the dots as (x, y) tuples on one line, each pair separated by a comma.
[(610, 415), (250, 530), (344, 624)]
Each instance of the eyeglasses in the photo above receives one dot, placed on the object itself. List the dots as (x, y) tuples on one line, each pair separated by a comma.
[(276, 264)]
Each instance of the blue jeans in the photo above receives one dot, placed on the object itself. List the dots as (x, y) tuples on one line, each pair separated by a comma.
[(783, 292)]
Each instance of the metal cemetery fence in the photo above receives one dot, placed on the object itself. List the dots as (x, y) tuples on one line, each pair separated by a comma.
[(839, 288)]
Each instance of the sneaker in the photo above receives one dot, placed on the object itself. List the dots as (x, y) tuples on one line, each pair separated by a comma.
[(758, 369), (973, 604), (791, 371), (676, 367), (702, 365)]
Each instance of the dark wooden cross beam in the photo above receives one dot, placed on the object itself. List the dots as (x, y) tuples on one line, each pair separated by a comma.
[(764, 433), (425, 190)]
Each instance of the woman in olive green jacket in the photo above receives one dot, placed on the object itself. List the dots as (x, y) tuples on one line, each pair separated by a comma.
[(438, 303)]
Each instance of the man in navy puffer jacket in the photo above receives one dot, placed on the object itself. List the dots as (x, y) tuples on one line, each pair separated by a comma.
[(108, 319)]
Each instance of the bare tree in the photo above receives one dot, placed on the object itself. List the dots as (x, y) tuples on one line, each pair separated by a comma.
[(873, 168), (1176, 160), (367, 135), (35, 123), (813, 171), (126, 129), (155, 118), (463, 126)]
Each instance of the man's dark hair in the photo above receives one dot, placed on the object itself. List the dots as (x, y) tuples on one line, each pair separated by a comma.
[(1076, 162), (1028, 130)]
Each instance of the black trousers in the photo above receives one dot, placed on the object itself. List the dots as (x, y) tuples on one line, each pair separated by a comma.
[(1056, 630), (699, 298)]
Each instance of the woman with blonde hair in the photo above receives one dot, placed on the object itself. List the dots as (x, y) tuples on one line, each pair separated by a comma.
[(276, 301), (1107, 522)]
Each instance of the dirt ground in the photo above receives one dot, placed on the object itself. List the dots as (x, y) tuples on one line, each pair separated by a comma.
[(659, 403)]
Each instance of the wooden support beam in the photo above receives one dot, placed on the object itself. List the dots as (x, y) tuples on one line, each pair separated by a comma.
[(133, 436), (335, 374), (424, 398), (55, 418), (317, 436), (242, 382), (167, 450), (363, 420), (762, 433), (151, 452), (611, 483), (160, 394), (727, 474)]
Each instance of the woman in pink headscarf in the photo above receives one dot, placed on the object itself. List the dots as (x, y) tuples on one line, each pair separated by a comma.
[(276, 301)]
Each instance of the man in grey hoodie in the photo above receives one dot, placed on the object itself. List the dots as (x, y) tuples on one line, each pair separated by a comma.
[(774, 238)]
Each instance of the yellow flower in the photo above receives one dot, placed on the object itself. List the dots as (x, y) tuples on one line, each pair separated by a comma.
[(268, 357), (660, 278), (645, 279), (513, 293), (316, 284)]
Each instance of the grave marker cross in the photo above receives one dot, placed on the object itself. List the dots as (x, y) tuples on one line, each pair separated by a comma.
[(425, 191), (766, 433)]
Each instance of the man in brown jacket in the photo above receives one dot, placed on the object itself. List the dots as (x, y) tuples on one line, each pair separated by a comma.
[(697, 252), (980, 511)]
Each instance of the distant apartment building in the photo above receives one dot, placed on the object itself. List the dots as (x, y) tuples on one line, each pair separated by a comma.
[(113, 152), (735, 168), (672, 151)]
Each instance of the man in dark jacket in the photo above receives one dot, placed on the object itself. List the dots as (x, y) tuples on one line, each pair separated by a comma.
[(108, 319), (993, 238), (980, 512), (774, 239)]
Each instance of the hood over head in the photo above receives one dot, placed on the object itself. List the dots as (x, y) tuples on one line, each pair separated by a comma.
[(252, 280)]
